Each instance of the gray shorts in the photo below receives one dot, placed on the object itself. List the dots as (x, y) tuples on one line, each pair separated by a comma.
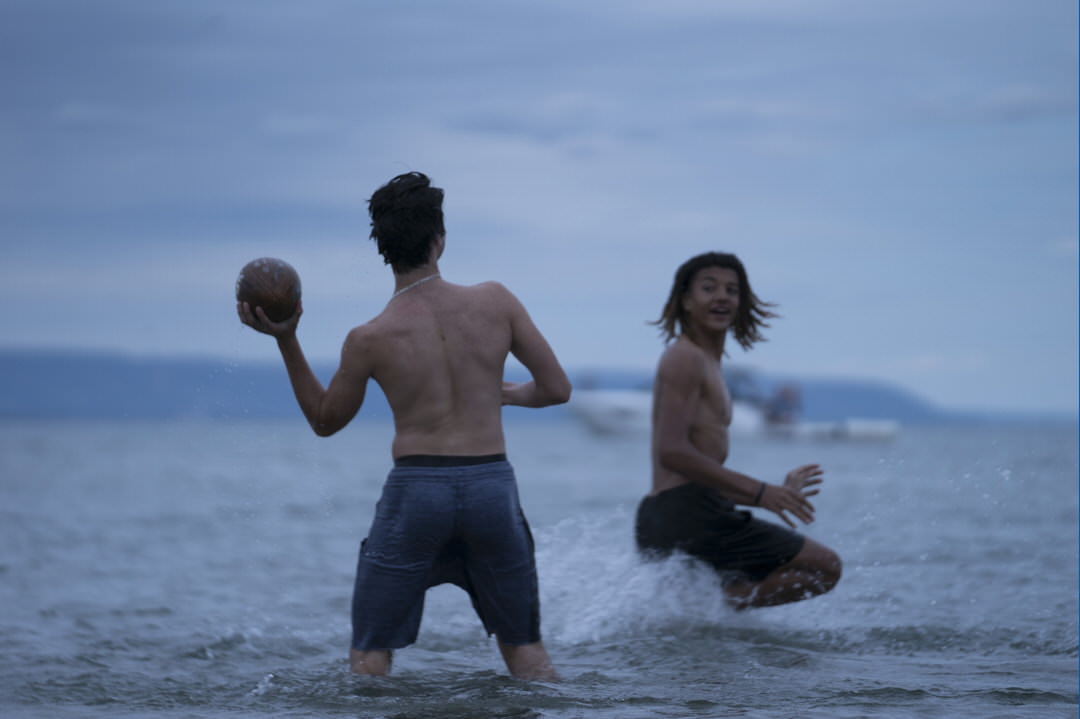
[(446, 519)]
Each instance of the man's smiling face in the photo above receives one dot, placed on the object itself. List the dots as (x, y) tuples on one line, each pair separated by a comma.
[(712, 300)]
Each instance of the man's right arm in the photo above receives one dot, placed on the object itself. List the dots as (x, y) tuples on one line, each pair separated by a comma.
[(678, 382), (549, 384), (326, 410)]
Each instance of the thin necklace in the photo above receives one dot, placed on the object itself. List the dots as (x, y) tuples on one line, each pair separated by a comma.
[(420, 281)]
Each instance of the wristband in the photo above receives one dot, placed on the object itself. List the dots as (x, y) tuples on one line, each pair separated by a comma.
[(760, 493)]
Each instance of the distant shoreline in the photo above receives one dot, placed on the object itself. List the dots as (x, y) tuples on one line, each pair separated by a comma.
[(58, 384)]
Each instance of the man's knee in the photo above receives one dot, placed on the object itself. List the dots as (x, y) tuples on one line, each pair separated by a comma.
[(822, 561), (830, 568)]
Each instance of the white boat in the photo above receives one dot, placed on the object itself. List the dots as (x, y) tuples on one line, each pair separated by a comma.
[(619, 412), (613, 411), (629, 411), (853, 429)]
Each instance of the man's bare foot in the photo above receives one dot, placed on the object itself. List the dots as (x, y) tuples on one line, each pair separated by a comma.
[(373, 663), (529, 661)]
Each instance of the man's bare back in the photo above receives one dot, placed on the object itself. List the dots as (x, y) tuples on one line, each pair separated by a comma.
[(437, 352), (438, 355)]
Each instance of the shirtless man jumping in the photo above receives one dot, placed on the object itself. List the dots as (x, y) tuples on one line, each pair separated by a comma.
[(691, 507), (449, 510)]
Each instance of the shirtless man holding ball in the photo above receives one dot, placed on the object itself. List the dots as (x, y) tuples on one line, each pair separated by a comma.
[(449, 510)]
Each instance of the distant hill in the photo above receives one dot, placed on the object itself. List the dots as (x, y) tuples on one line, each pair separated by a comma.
[(829, 400), (52, 384), (82, 386)]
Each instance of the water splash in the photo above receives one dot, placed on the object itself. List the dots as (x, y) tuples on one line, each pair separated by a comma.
[(263, 686), (596, 589)]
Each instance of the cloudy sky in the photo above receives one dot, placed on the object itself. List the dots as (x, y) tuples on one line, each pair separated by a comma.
[(901, 178)]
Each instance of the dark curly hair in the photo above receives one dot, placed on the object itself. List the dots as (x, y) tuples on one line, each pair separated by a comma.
[(406, 217), (749, 318)]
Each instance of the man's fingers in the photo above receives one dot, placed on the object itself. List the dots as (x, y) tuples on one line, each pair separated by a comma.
[(244, 310), (253, 318), (798, 506), (804, 510)]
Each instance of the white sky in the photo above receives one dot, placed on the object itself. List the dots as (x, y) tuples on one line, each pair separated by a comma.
[(901, 178)]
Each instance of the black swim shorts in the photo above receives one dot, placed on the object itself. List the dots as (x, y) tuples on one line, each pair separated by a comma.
[(446, 519), (703, 523)]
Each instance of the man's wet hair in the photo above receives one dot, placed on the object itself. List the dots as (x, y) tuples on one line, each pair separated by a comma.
[(750, 317), (406, 217)]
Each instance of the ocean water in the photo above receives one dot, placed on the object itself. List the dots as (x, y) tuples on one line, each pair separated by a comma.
[(204, 569)]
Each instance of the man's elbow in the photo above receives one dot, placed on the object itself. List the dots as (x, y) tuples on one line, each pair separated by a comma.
[(560, 394), (324, 429)]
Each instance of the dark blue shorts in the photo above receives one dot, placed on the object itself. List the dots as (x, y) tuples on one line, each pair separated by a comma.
[(446, 519)]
